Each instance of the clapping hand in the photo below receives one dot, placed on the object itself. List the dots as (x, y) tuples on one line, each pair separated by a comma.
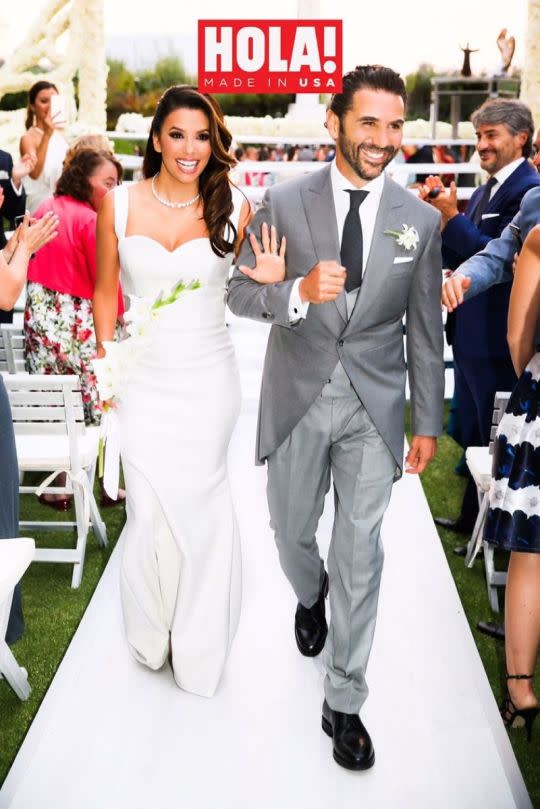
[(269, 261), (445, 201), (33, 234), (23, 167)]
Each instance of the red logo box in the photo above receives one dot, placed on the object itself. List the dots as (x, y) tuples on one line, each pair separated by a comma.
[(270, 56)]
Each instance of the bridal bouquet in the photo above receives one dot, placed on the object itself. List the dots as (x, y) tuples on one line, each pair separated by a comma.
[(113, 370)]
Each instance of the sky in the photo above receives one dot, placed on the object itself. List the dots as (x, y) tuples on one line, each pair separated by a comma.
[(399, 34)]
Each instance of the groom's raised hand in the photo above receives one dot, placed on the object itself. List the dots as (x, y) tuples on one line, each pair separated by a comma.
[(323, 283)]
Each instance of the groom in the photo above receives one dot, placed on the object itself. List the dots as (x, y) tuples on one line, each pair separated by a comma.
[(333, 389)]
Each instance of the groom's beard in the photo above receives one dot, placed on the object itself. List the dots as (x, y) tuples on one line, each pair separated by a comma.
[(355, 155)]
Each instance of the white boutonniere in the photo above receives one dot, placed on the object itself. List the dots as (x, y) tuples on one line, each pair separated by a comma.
[(407, 238)]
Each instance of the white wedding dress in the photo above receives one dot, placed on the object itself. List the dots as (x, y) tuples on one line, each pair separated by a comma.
[(181, 568)]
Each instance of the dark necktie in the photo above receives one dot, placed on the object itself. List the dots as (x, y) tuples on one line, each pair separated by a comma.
[(351, 242), (483, 201)]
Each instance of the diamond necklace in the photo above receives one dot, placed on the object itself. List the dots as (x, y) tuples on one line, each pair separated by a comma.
[(166, 201)]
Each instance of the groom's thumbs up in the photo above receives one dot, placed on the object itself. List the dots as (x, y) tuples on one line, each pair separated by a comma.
[(323, 283)]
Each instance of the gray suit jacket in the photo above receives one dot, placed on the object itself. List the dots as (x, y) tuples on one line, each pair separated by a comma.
[(301, 357)]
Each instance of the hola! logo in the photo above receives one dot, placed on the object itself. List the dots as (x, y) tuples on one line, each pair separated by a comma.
[(270, 56)]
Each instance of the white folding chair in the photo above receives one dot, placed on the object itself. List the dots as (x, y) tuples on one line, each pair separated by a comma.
[(11, 349), (51, 437), (15, 556), (479, 461)]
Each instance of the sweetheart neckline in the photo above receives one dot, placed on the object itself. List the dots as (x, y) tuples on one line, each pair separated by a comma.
[(156, 241)]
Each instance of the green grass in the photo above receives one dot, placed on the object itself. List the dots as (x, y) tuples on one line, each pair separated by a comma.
[(53, 611)]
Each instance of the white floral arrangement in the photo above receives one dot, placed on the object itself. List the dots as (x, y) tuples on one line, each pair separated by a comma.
[(267, 126), (407, 237), (133, 122), (83, 52), (114, 369)]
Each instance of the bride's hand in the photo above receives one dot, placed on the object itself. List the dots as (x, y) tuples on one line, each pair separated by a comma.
[(270, 262)]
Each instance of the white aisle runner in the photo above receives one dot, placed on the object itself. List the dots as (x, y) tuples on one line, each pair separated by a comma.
[(113, 735)]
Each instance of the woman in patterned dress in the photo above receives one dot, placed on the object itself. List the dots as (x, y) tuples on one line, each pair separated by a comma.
[(58, 324), (14, 260), (513, 520)]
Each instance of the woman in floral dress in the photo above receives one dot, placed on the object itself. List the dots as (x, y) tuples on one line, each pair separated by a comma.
[(58, 324)]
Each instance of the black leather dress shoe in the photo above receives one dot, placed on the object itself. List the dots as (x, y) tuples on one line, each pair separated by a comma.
[(310, 627), (459, 526), (353, 748), (492, 629)]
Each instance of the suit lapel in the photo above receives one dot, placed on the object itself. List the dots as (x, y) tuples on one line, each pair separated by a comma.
[(383, 246), (508, 188), (318, 200)]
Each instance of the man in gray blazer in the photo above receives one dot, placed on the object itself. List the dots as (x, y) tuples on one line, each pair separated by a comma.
[(353, 253)]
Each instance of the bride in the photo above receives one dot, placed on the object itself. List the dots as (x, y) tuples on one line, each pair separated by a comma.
[(181, 567)]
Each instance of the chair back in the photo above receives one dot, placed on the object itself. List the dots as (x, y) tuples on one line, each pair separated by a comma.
[(499, 407), (47, 405), (11, 349)]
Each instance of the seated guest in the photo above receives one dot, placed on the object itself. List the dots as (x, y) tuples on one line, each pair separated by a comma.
[(477, 332), (14, 260), (44, 140), (58, 323), (12, 199)]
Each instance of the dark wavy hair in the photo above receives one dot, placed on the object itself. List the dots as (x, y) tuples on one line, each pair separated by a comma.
[(214, 185), (74, 180), (372, 77), (32, 95)]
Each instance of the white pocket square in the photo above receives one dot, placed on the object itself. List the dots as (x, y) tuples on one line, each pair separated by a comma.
[(402, 259), (489, 215), (4, 175)]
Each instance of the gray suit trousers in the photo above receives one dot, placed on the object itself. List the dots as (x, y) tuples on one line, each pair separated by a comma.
[(335, 438)]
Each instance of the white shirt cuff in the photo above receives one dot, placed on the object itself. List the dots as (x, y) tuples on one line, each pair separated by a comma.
[(298, 308), (18, 190)]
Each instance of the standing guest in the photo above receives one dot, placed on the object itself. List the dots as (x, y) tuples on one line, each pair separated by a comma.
[(43, 140), (14, 260), (513, 518), (12, 199), (477, 332), (333, 389), (292, 153), (306, 154), (58, 325)]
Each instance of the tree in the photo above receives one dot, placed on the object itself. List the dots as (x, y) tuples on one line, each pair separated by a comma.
[(167, 71)]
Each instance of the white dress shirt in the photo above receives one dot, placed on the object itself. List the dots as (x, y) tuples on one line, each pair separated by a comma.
[(368, 213), (503, 174)]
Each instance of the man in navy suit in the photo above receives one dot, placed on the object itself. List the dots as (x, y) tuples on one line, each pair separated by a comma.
[(477, 332), (12, 198)]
